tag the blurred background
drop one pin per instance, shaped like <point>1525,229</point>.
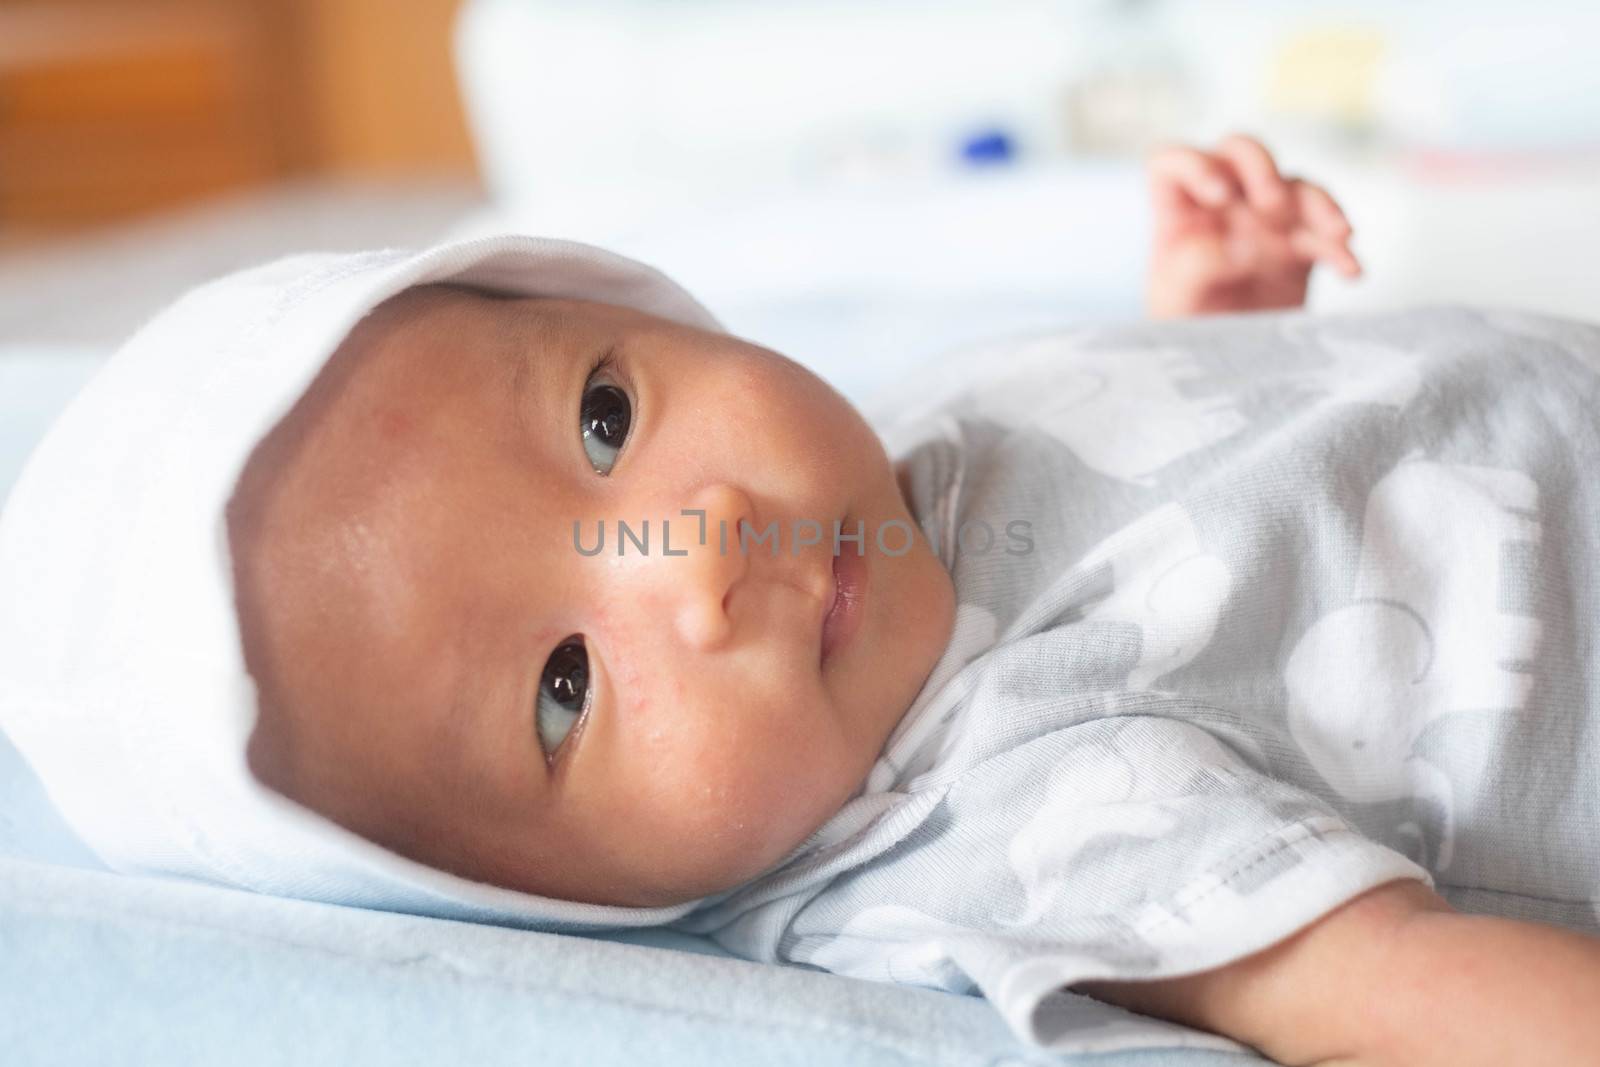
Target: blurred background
<point>857,183</point>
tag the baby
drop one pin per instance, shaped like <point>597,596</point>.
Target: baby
<point>1215,668</point>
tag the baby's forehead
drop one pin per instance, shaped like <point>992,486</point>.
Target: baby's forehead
<point>385,425</point>
<point>443,325</point>
<point>437,341</point>
<point>428,311</point>
<point>354,415</point>
<point>343,496</point>
<point>406,425</point>
<point>349,516</point>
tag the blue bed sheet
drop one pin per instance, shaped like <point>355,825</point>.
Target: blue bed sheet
<point>101,968</point>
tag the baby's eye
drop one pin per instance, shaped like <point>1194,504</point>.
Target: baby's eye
<point>604,416</point>
<point>563,693</point>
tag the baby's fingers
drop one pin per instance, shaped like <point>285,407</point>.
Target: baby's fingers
<point>1325,232</point>
<point>1319,210</point>
<point>1264,187</point>
<point>1181,170</point>
<point>1312,246</point>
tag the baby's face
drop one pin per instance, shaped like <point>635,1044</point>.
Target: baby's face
<point>442,670</point>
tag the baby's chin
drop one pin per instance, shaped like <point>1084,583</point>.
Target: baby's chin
<point>744,859</point>
<point>642,893</point>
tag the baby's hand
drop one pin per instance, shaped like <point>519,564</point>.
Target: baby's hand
<point>1231,234</point>
<point>1396,976</point>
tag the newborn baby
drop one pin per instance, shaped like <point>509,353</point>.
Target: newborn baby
<point>431,559</point>
<point>1207,667</point>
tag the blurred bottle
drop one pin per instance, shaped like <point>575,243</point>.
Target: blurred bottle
<point>1131,88</point>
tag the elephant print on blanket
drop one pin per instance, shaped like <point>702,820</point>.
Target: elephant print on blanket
<point>1309,607</point>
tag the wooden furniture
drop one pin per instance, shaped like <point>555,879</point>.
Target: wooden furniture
<point>109,109</point>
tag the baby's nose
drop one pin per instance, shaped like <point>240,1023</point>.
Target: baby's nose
<point>710,566</point>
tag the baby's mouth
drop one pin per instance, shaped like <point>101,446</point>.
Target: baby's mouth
<point>849,588</point>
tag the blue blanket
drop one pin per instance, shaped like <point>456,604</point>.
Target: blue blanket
<point>99,968</point>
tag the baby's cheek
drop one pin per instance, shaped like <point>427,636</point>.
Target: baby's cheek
<point>725,767</point>
<point>789,776</point>
<point>730,795</point>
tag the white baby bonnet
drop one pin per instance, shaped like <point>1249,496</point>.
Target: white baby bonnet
<point>122,676</point>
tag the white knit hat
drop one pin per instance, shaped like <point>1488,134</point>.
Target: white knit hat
<point>122,674</point>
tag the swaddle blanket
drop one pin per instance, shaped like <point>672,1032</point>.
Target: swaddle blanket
<point>1304,607</point>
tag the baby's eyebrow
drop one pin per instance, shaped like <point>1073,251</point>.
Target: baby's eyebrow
<point>535,383</point>
<point>529,383</point>
<point>469,758</point>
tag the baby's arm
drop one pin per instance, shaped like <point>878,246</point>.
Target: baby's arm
<point>1396,977</point>
<point>1232,234</point>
